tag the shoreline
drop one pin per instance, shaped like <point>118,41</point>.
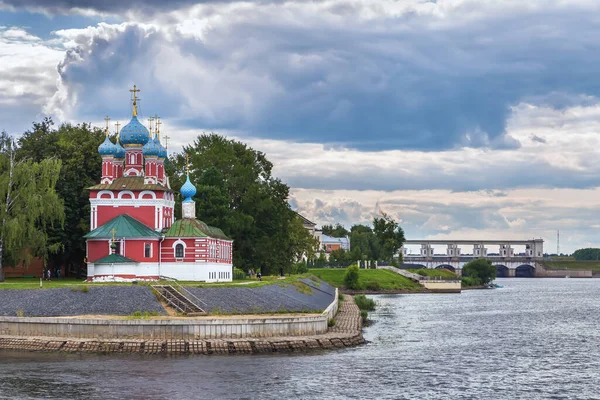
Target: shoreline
<point>347,332</point>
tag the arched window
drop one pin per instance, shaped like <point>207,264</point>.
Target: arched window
<point>179,251</point>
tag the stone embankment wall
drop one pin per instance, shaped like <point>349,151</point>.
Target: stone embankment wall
<point>346,332</point>
<point>561,273</point>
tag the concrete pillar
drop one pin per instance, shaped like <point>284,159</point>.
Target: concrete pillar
<point>479,250</point>
<point>453,250</point>
<point>506,250</point>
<point>511,272</point>
<point>426,250</point>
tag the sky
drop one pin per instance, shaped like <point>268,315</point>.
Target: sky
<point>461,119</point>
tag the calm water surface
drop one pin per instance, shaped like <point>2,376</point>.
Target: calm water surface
<point>534,339</point>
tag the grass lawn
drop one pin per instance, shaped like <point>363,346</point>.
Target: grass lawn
<point>34,283</point>
<point>572,264</point>
<point>386,279</point>
<point>434,273</point>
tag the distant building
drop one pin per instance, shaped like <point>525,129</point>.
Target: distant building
<point>329,243</point>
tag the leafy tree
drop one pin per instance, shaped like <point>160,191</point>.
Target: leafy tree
<point>237,193</point>
<point>480,270</point>
<point>351,277</point>
<point>587,254</point>
<point>340,257</point>
<point>28,204</point>
<point>303,245</point>
<point>76,146</point>
<point>389,235</point>
<point>337,231</point>
<point>364,245</point>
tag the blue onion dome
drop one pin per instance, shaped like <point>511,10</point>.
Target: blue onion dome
<point>134,133</point>
<point>119,150</point>
<point>188,190</point>
<point>150,148</point>
<point>162,151</point>
<point>107,148</point>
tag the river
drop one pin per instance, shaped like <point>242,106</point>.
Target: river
<point>532,339</point>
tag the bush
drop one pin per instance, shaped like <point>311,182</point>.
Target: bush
<point>421,272</point>
<point>238,274</point>
<point>480,269</point>
<point>364,303</point>
<point>470,281</point>
<point>85,289</point>
<point>351,277</point>
<point>364,314</point>
<point>340,297</point>
<point>330,323</point>
<point>373,285</point>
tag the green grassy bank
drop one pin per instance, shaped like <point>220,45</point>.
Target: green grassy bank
<point>369,279</point>
<point>571,264</point>
<point>433,273</point>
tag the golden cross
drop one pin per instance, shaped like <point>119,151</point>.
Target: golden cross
<point>113,231</point>
<point>187,164</point>
<point>107,119</point>
<point>150,122</point>
<point>134,91</point>
<point>167,137</point>
<point>158,124</point>
<point>117,124</point>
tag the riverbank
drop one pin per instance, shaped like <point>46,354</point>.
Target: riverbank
<point>346,332</point>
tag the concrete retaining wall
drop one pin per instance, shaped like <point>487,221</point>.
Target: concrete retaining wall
<point>561,273</point>
<point>442,286</point>
<point>170,329</point>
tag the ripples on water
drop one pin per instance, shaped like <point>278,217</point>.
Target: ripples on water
<point>534,339</point>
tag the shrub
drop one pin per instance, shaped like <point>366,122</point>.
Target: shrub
<point>340,297</point>
<point>470,281</point>
<point>480,269</point>
<point>364,314</point>
<point>85,289</point>
<point>351,277</point>
<point>20,312</point>
<point>373,285</point>
<point>421,272</point>
<point>238,274</point>
<point>364,303</point>
<point>330,323</point>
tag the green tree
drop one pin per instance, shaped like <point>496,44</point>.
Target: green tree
<point>28,204</point>
<point>340,257</point>
<point>237,193</point>
<point>389,235</point>
<point>351,277</point>
<point>481,270</point>
<point>364,245</point>
<point>337,231</point>
<point>303,245</point>
<point>76,146</point>
<point>587,254</point>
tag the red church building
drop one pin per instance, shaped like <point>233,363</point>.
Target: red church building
<point>133,232</point>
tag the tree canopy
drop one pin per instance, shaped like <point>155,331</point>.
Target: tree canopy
<point>337,231</point>
<point>481,270</point>
<point>76,146</point>
<point>237,192</point>
<point>29,204</point>
<point>587,254</point>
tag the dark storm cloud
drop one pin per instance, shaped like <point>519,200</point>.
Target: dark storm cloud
<point>396,83</point>
<point>109,6</point>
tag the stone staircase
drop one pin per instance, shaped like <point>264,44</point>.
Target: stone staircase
<point>409,275</point>
<point>180,299</point>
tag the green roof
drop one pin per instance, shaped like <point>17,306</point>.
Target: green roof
<point>124,226</point>
<point>188,227</point>
<point>114,259</point>
<point>129,183</point>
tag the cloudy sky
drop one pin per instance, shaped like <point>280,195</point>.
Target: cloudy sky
<point>460,118</point>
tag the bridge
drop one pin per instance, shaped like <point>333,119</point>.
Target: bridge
<point>506,261</point>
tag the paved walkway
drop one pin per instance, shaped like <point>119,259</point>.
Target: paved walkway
<point>347,332</point>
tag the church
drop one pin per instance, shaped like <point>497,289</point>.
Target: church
<point>133,231</point>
